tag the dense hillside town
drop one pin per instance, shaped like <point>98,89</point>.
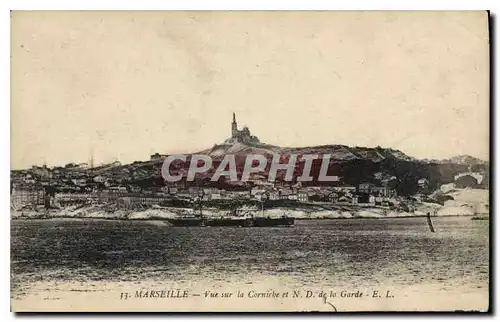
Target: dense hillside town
<point>386,180</point>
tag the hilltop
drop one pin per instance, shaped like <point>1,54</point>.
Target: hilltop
<point>337,152</point>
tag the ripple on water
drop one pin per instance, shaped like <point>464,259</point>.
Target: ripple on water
<point>399,252</point>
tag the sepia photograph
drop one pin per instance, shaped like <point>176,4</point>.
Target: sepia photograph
<point>250,161</point>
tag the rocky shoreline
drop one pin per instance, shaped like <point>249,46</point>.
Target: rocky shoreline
<point>299,213</point>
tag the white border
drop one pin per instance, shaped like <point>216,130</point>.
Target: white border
<point>184,5</point>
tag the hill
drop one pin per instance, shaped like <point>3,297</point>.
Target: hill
<point>351,165</point>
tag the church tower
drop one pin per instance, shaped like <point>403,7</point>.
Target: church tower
<point>234,127</point>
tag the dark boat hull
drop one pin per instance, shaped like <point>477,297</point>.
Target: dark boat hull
<point>228,222</point>
<point>273,222</point>
<point>186,222</point>
<point>233,222</point>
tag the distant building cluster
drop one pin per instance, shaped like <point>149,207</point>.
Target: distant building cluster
<point>74,185</point>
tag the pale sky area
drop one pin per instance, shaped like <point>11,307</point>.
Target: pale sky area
<point>126,85</point>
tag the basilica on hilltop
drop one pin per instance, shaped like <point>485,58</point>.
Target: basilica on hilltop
<point>241,136</point>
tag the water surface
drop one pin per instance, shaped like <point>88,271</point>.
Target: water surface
<point>350,253</point>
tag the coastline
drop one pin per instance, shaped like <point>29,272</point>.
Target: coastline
<point>465,202</point>
<point>165,219</point>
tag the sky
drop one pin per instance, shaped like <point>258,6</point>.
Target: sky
<point>124,85</point>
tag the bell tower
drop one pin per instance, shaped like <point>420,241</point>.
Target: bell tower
<point>234,127</point>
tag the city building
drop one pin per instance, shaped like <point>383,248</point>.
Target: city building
<point>132,201</point>
<point>370,188</point>
<point>68,199</point>
<point>26,196</point>
<point>422,182</point>
<point>302,197</point>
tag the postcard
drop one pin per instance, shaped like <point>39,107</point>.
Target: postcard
<point>250,161</point>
